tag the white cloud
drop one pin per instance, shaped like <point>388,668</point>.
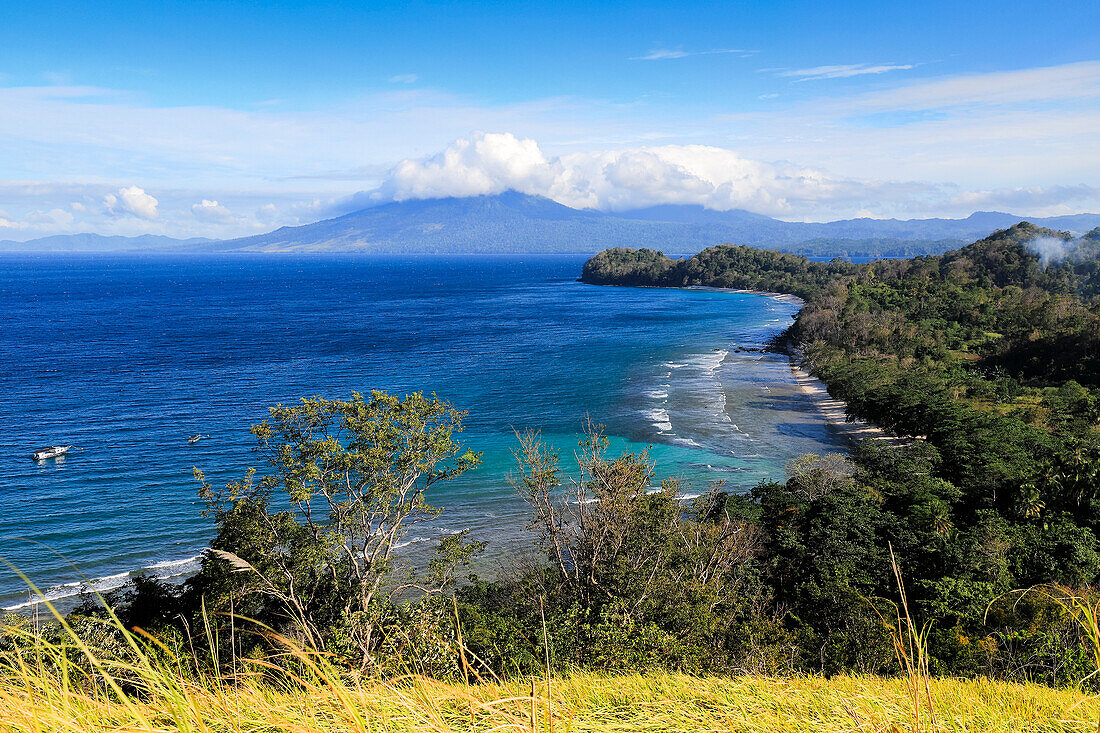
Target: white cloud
<point>1066,83</point>
<point>664,54</point>
<point>1036,200</point>
<point>715,177</point>
<point>1017,140</point>
<point>35,222</point>
<point>484,163</point>
<point>842,71</point>
<point>208,210</point>
<point>54,218</point>
<point>660,54</point>
<point>131,200</point>
<point>404,79</point>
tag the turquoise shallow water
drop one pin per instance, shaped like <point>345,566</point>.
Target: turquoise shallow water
<point>125,356</point>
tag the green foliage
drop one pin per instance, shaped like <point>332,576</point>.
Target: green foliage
<point>724,266</point>
<point>986,359</point>
<point>354,476</point>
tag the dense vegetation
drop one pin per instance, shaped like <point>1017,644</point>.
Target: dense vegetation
<point>985,359</point>
<point>740,267</point>
<point>989,358</point>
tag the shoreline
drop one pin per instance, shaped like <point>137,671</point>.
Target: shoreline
<point>835,412</point>
<point>781,297</point>
<point>832,414</point>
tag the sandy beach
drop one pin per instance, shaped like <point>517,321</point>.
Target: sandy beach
<point>781,297</point>
<point>834,412</point>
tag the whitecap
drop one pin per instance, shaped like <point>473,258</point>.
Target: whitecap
<point>75,588</point>
<point>660,419</point>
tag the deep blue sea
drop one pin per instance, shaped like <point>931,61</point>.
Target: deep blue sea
<point>125,356</point>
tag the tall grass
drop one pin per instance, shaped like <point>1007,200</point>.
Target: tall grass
<point>64,686</point>
<point>911,648</point>
<point>1084,611</point>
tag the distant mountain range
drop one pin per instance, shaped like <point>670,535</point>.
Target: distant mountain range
<point>100,243</point>
<point>518,223</point>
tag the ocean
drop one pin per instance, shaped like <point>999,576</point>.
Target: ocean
<point>125,356</point>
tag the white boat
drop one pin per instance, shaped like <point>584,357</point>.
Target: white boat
<point>52,452</point>
<point>195,439</point>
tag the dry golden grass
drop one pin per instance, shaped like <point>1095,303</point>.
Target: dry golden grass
<point>581,702</point>
<point>65,687</point>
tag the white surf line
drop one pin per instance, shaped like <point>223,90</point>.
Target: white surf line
<point>833,412</point>
<point>164,570</point>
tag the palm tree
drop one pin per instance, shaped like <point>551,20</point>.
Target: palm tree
<point>1028,502</point>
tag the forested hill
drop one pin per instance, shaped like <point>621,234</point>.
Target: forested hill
<point>724,266</point>
<point>989,357</point>
<point>1003,258</point>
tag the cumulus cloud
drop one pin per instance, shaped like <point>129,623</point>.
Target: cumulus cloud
<point>481,164</point>
<point>212,211</point>
<point>842,71</point>
<point>52,221</point>
<point>1047,200</point>
<point>58,218</point>
<point>617,180</point>
<point>131,200</point>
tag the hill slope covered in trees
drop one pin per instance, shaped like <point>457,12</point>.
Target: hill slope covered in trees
<point>989,354</point>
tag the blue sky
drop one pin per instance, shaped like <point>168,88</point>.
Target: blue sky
<point>229,118</point>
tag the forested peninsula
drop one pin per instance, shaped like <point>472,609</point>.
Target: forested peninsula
<point>988,357</point>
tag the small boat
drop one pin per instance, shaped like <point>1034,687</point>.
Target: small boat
<point>191,440</point>
<point>53,451</point>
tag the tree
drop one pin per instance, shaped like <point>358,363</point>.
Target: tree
<point>634,574</point>
<point>354,477</point>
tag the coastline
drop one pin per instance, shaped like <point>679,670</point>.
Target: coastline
<point>66,594</point>
<point>781,297</point>
<point>833,412</point>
